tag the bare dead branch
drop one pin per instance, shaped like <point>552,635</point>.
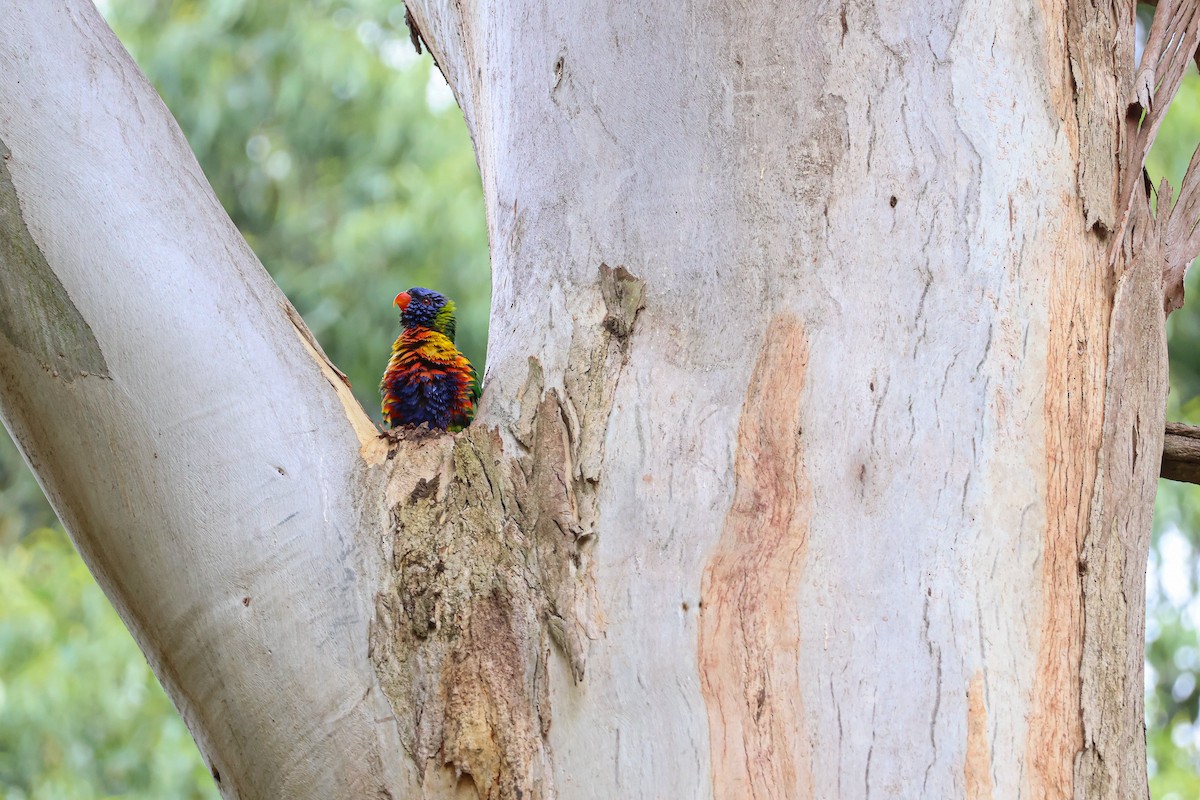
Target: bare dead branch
<point>1181,453</point>
<point>1182,242</point>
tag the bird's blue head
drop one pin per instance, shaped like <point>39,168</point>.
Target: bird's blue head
<point>422,308</point>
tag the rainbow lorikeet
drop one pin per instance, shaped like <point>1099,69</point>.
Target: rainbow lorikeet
<point>427,379</point>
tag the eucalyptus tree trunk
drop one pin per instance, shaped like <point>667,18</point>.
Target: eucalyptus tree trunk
<point>819,436</point>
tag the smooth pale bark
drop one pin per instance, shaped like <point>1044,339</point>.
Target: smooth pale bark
<point>818,444</point>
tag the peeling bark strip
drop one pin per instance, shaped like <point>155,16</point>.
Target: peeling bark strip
<point>1170,45</point>
<point>1096,66</point>
<point>977,771</point>
<point>563,433</point>
<point>1112,562</point>
<point>1148,258</point>
<point>1171,233</point>
<point>749,644</point>
<point>1104,402</point>
<point>1079,361</point>
<point>36,314</point>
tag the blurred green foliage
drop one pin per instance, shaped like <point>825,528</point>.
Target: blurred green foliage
<point>81,715</point>
<point>343,159</point>
<point>345,163</point>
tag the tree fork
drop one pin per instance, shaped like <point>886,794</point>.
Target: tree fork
<point>947,599</point>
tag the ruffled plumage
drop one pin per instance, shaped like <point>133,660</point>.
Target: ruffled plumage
<point>427,379</point>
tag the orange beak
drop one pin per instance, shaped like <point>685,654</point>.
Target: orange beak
<point>402,300</point>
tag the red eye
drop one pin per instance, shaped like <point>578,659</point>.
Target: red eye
<point>425,301</point>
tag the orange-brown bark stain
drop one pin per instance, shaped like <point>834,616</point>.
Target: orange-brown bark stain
<point>1073,411</point>
<point>977,771</point>
<point>1079,303</point>
<point>749,646</point>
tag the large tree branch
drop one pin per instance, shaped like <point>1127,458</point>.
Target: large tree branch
<point>207,461</point>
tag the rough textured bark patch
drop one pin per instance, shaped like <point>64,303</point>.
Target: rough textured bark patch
<point>1076,362</point>
<point>562,431</point>
<point>1113,558</point>
<point>749,623</point>
<point>1169,234</point>
<point>1148,260</point>
<point>1105,399</point>
<point>489,555</point>
<point>458,640</point>
<point>1096,69</point>
<point>1077,378</point>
